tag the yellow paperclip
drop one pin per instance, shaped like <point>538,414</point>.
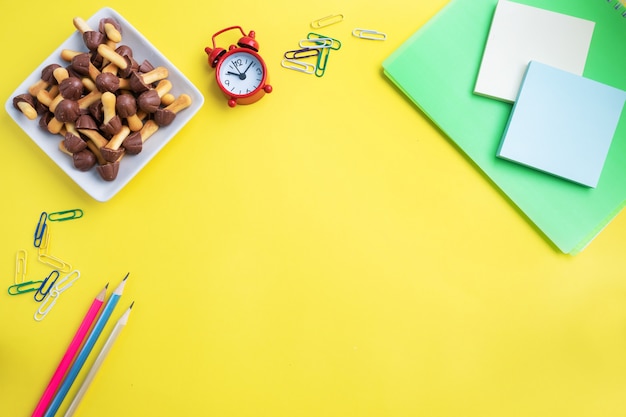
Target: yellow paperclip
<point>20,266</point>
<point>45,242</point>
<point>51,298</point>
<point>369,34</point>
<point>327,21</point>
<point>54,262</point>
<point>298,65</point>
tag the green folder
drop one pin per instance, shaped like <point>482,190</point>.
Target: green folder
<point>437,67</point>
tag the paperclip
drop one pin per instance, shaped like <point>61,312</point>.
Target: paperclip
<point>20,266</point>
<point>61,216</point>
<point>322,60</point>
<point>301,53</point>
<point>327,21</point>
<point>296,65</point>
<point>45,242</point>
<point>63,285</point>
<point>47,280</point>
<point>24,287</point>
<point>369,34</point>
<point>41,229</point>
<point>45,307</point>
<point>336,42</point>
<point>317,43</point>
<point>54,262</point>
<point>53,295</point>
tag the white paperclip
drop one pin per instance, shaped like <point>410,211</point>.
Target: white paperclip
<point>61,284</point>
<point>369,34</point>
<point>316,43</point>
<point>298,65</point>
<point>51,298</point>
<point>327,21</point>
<point>45,307</point>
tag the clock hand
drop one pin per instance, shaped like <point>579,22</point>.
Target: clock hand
<point>236,67</point>
<point>241,75</point>
<point>249,65</point>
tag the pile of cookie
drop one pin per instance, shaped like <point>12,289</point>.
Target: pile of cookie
<point>104,103</point>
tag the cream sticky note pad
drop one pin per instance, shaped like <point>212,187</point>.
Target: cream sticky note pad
<point>521,33</point>
<point>562,124</point>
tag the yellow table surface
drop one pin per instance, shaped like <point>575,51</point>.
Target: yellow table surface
<point>323,252</point>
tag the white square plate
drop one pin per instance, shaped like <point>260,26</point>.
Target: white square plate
<point>130,165</point>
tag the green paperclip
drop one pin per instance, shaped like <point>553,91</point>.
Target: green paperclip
<point>320,68</point>
<point>61,216</point>
<point>24,287</point>
<point>322,58</point>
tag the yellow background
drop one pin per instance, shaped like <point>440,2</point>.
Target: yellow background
<point>323,252</point>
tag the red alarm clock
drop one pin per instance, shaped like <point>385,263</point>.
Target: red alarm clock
<point>240,72</point>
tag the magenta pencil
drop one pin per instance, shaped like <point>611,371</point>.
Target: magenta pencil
<point>70,353</point>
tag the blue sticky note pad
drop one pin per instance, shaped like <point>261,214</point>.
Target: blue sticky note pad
<point>562,124</point>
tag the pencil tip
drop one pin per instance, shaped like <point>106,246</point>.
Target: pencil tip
<point>131,305</point>
<point>106,286</point>
<point>126,276</point>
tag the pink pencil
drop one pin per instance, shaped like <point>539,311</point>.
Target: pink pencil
<point>65,363</point>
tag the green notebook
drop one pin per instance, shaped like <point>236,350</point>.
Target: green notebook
<point>437,67</point>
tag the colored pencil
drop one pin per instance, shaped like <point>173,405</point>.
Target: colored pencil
<point>86,349</point>
<point>70,353</point>
<point>121,323</point>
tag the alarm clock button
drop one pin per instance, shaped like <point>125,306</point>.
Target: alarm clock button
<point>249,42</point>
<point>214,55</point>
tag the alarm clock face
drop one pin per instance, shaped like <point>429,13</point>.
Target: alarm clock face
<point>241,73</point>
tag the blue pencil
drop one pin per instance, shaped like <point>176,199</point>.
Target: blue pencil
<point>86,349</point>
